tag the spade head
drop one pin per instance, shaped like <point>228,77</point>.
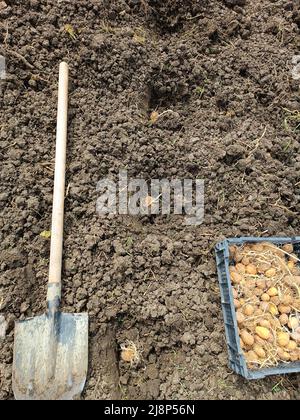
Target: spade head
<point>50,357</point>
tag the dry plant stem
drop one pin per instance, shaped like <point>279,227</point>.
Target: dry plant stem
<point>20,57</point>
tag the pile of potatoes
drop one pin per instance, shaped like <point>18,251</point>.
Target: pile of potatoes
<point>266,290</point>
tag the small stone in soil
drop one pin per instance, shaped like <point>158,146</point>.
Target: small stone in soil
<point>32,83</point>
<point>24,307</point>
<point>3,196</point>
<point>188,338</point>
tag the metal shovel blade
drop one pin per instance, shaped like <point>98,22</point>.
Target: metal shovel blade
<point>50,357</point>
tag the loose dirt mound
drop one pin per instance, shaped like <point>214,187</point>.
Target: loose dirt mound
<point>224,70</point>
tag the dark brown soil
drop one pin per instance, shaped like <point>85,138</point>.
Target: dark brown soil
<point>224,68</point>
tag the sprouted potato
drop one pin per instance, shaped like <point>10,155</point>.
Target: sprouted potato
<point>266,289</point>
<point>130,353</point>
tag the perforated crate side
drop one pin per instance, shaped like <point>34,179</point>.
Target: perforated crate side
<point>231,328</point>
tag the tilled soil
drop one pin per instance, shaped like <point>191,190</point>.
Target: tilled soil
<point>224,69</point>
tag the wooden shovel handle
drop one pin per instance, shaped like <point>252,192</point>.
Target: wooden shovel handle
<point>59,179</point>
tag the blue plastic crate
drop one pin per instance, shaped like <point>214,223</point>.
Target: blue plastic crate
<point>237,361</point>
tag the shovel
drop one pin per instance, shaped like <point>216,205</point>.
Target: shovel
<point>51,350</point>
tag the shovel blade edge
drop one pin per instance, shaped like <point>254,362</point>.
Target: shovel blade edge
<point>50,357</point>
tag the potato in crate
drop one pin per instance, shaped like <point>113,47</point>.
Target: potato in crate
<point>260,291</point>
